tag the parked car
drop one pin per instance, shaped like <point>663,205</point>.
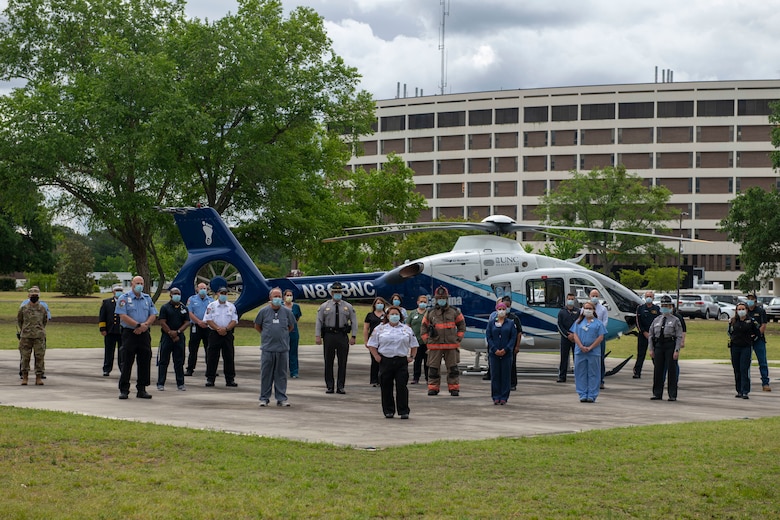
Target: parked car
<point>698,306</point>
<point>772,309</point>
<point>727,311</point>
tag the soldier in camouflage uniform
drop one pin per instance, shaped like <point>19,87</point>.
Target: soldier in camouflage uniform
<point>31,320</point>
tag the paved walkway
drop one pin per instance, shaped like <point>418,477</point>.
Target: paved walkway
<point>540,406</point>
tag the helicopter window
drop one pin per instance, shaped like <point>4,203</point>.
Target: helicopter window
<point>581,287</point>
<point>547,292</point>
<point>623,302</point>
<point>502,289</point>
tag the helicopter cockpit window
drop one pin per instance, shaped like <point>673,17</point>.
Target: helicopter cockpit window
<point>502,289</point>
<point>545,292</point>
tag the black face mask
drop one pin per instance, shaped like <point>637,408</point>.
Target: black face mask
<point>34,298</point>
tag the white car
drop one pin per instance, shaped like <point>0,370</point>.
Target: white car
<point>727,311</point>
<point>698,306</point>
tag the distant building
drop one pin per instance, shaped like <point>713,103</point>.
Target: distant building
<point>496,152</point>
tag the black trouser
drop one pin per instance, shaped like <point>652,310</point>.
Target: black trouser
<point>641,353</point>
<point>167,348</point>
<point>110,343</point>
<point>224,345</point>
<point>394,371</point>
<point>135,346</point>
<point>421,362</point>
<point>513,371</point>
<point>335,344</point>
<point>741,359</point>
<point>200,334</point>
<point>663,361</point>
<point>567,347</point>
<point>373,372</point>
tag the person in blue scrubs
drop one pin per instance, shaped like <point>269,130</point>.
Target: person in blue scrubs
<point>589,333</point>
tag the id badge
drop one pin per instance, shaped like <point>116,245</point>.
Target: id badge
<point>276,321</point>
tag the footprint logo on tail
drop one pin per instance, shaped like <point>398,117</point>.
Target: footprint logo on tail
<point>208,229</point>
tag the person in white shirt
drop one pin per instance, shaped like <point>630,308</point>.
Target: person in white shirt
<point>222,318</point>
<point>393,345</point>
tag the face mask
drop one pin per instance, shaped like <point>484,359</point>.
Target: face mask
<point>138,289</point>
<point>501,313</point>
<point>396,302</point>
<point>337,296</point>
<point>441,302</point>
<point>288,299</point>
<point>422,305</point>
<point>380,306</point>
<point>648,300</point>
<point>117,294</point>
<point>176,298</point>
<point>666,310</point>
<point>202,293</point>
<point>751,303</point>
<point>570,303</point>
<point>742,313</point>
<point>276,302</point>
<point>223,298</point>
<point>34,298</point>
<point>595,299</point>
<point>588,313</point>
<point>394,318</point>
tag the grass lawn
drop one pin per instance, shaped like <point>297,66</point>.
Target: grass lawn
<point>56,465</point>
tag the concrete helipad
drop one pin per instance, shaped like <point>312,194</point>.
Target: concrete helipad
<point>540,406</point>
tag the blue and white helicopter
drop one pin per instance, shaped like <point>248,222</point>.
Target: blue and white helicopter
<point>479,270</point>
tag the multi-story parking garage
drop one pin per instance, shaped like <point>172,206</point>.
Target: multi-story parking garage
<point>496,152</point>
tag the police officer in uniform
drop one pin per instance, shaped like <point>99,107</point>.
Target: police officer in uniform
<point>335,329</point>
<point>31,320</point>
<point>645,314</point>
<point>759,346</point>
<point>664,345</point>
<point>174,320</point>
<point>137,312</point>
<point>111,330</point>
<point>199,332</point>
<point>222,318</point>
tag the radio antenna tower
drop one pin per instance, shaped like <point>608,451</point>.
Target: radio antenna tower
<point>445,11</point>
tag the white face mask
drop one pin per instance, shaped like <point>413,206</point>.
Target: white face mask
<point>588,313</point>
<point>501,313</point>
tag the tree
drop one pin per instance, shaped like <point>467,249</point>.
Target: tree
<point>611,199</point>
<point>27,241</point>
<point>74,269</point>
<point>753,221</point>
<point>128,105</point>
<point>632,279</point>
<point>664,278</point>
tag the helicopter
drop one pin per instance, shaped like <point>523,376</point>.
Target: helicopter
<point>477,271</point>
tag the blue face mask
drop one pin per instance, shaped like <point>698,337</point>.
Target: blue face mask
<point>138,289</point>
<point>648,299</point>
<point>223,298</point>
<point>176,298</point>
<point>751,303</point>
<point>202,293</point>
<point>594,300</point>
<point>742,313</point>
<point>380,306</point>
<point>441,302</point>
<point>394,318</point>
<point>276,302</point>
<point>117,294</point>
<point>666,310</point>
<point>337,296</point>
<point>570,303</point>
<point>422,305</point>
<point>396,302</point>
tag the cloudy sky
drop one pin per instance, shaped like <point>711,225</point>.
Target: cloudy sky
<point>506,44</point>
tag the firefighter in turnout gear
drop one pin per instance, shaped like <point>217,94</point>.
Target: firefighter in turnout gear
<point>443,329</point>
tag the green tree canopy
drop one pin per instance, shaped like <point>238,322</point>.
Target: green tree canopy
<point>611,199</point>
<point>74,269</point>
<point>774,119</point>
<point>128,105</point>
<point>753,222</point>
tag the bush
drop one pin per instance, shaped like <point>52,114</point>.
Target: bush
<point>75,265</point>
<point>44,282</point>
<point>7,283</point>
